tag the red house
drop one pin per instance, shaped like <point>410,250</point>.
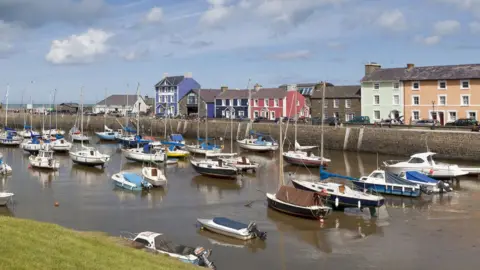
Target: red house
<point>275,103</point>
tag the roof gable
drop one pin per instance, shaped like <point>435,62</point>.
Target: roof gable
<point>207,95</point>
<point>120,100</point>
<point>451,72</point>
<point>269,93</point>
<point>170,81</point>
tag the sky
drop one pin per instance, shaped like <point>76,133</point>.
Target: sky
<point>114,46</point>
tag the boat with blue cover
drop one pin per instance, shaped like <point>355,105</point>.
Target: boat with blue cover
<point>27,132</point>
<point>107,134</point>
<point>204,146</point>
<point>427,184</point>
<point>131,140</point>
<point>131,181</point>
<point>388,183</point>
<point>176,138</point>
<point>175,150</point>
<point>10,137</point>
<point>340,196</point>
<point>35,144</point>
<point>232,228</point>
<point>259,142</point>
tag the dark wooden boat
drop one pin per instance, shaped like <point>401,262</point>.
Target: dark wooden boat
<point>214,168</point>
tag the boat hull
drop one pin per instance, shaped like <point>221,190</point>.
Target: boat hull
<point>304,162</point>
<point>143,157</point>
<point>218,173</point>
<point>257,147</point>
<point>196,150</point>
<point>107,136</point>
<point>343,201</point>
<point>296,211</point>
<point>213,227</point>
<point>5,198</point>
<point>157,181</point>
<point>88,161</point>
<point>388,189</point>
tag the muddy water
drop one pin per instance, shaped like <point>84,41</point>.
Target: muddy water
<point>434,232</point>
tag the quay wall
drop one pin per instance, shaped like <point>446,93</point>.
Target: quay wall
<point>447,144</point>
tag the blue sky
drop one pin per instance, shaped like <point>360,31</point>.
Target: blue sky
<point>105,45</point>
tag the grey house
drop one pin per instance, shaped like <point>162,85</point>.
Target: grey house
<point>342,102</point>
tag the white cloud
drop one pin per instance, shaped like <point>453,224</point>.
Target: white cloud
<point>475,27</point>
<point>393,20</point>
<point>293,55</point>
<point>429,41</point>
<point>447,27</point>
<point>469,5</point>
<point>216,13</point>
<point>154,15</point>
<point>76,49</point>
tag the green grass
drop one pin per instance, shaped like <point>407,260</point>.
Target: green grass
<point>26,244</point>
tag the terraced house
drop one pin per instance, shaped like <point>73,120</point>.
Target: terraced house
<point>231,103</point>
<point>443,93</point>
<point>170,90</point>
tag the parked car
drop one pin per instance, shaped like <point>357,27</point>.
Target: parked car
<point>390,122</point>
<point>359,120</point>
<point>424,122</point>
<point>260,119</point>
<point>329,121</point>
<point>464,122</point>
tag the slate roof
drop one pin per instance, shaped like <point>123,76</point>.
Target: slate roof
<point>229,94</point>
<point>171,81</point>
<point>119,100</point>
<point>385,74</point>
<point>208,95</point>
<point>339,91</point>
<point>269,93</point>
<point>452,72</point>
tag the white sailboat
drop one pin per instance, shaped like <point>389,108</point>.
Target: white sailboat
<point>28,131</point>
<point>53,131</point>
<point>78,135</point>
<point>154,176</point>
<point>88,156</point>
<point>60,144</point>
<point>107,134</point>
<point>299,156</point>
<point>9,136</point>
<point>4,167</point>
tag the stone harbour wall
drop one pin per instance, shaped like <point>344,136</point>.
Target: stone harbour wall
<point>448,144</point>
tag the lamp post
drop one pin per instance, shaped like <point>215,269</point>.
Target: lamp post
<point>433,113</point>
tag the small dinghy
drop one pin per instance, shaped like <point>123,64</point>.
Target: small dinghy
<point>387,183</point>
<point>5,197</point>
<point>232,228</point>
<point>427,184</point>
<point>154,176</point>
<point>158,243</point>
<point>130,181</point>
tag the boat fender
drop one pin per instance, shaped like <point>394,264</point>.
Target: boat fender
<point>359,204</point>
<point>336,202</point>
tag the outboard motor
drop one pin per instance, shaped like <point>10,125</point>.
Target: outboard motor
<point>252,228</point>
<point>203,255</point>
<point>444,187</point>
<point>425,190</point>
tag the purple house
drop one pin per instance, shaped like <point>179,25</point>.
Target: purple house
<point>170,90</point>
<point>188,105</point>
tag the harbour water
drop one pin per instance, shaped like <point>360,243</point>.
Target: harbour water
<point>434,232</point>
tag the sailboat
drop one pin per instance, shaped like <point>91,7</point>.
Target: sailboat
<point>78,135</point>
<point>172,148</point>
<point>147,153</point>
<point>27,131</point>
<point>53,132</point>
<point>300,156</point>
<point>203,146</point>
<point>58,142</point>
<point>9,136</point>
<point>34,144</point>
<point>88,156</point>
<point>297,202</point>
<point>107,134</point>
<point>4,167</point>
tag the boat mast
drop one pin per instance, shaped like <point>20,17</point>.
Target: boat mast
<point>296,120</point>
<point>105,112</point>
<point>50,117</point>
<point>31,115</point>
<point>280,156</point>
<point>23,108</point>
<point>81,110</point>
<point>198,116</point>
<point>138,111</point>
<point>6,105</point>
<point>323,118</point>
<point>56,111</point>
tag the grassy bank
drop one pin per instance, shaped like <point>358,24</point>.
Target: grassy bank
<point>27,244</point>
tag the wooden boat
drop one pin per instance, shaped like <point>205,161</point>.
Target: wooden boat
<point>5,197</point>
<point>130,181</point>
<point>232,228</point>
<point>214,168</point>
<point>158,243</point>
<point>154,176</point>
<point>387,183</point>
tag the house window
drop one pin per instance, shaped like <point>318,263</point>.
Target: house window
<point>172,88</point>
<point>442,84</point>
<point>472,115</point>
<point>276,102</point>
<point>224,102</point>
<point>376,115</point>
<point>231,102</point>
<point>416,86</point>
<point>396,85</point>
<point>348,103</point>
<point>415,100</point>
<point>465,100</point>
<point>237,102</point>
<point>255,113</point>
<point>255,102</point>
<point>272,115</point>
<point>452,116</point>
<point>192,98</point>
<point>336,103</point>
<point>241,114</point>
<point>416,115</point>
<point>396,99</point>
<point>223,113</point>
<point>336,115</point>
<point>376,86</point>
<point>464,84</point>
<point>265,102</point>
<point>349,116</point>
<point>325,105</point>
<point>442,100</point>
<point>376,100</point>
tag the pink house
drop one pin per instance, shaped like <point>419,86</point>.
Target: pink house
<point>273,103</point>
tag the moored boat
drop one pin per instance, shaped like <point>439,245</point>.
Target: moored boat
<point>258,142</point>
<point>5,197</point>
<point>214,168</point>
<point>60,144</point>
<point>427,184</point>
<point>154,176</point>
<point>145,154</point>
<point>44,160</point>
<point>232,228</point>
<point>4,167</point>
<point>107,135</point>
<point>302,158</point>
<point>387,183</point>
<point>89,156</point>
<point>10,138</point>
<point>130,181</point>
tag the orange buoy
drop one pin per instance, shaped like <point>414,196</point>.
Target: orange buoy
<point>56,204</point>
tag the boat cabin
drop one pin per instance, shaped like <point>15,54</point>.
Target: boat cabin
<point>45,154</point>
<point>422,158</point>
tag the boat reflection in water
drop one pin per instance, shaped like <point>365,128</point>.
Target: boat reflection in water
<point>216,189</point>
<point>154,197</point>
<point>253,245</point>
<point>87,175</point>
<point>44,177</point>
<point>335,235</point>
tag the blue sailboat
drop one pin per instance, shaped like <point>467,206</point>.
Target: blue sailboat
<point>130,140</point>
<point>340,196</point>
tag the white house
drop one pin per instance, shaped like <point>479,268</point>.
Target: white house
<point>121,104</point>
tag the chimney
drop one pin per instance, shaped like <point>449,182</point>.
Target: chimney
<point>165,75</point>
<point>223,88</point>
<point>410,66</point>
<point>188,75</point>
<point>291,87</point>
<point>371,67</point>
<point>257,87</point>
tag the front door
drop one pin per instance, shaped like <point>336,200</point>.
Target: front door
<point>441,118</point>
